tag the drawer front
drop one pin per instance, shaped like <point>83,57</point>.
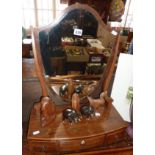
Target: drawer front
<point>43,146</point>
<point>114,137</point>
<point>81,144</point>
<point>77,145</point>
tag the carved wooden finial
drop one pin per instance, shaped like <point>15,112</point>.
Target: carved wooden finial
<point>76,101</point>
<point>70,88</point>
<point>47,111</point>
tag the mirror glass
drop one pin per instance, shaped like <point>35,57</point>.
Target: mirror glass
<point>72,45</point>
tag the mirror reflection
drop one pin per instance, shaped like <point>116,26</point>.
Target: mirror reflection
<point>73,45</point>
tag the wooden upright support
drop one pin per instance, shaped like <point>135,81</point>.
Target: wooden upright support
<point>47,107</point>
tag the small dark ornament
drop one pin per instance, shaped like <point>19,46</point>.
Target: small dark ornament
<point>63,90</point>
<point>87,111</point>
<point>71,115</point>
<point>79,88</point>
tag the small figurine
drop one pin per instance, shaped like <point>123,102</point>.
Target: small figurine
<point>68,89</point>
<point>79,88</point>
<point>47,111</point>
<point>71,115</point>
<point>87,111</point>
<point>63,90</point>
<point>97,102</point>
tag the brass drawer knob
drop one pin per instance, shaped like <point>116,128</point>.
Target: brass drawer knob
<point>83,142</point>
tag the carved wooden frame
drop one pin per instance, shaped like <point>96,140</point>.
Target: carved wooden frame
<point>103,84</point>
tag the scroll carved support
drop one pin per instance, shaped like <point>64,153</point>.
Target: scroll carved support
<point>47,107</point>
<point>47,111</point>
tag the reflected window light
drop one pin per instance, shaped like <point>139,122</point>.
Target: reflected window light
<point>41,12</point>
<point>27,41</point>
<point>114,32</point>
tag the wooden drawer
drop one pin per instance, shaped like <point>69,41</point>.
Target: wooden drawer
<point>114,137</point>
<point>77,145</point>
<point>81,144</point>
<point>43,146</point>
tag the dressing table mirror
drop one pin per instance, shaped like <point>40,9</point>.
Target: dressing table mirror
<point>75,113</point>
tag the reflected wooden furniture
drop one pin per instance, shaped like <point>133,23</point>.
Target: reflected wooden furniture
<point>89,136</point>
<point>28,68</point>
<point>26,48</point>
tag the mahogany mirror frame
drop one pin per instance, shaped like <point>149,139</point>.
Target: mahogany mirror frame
<point>104,82</point>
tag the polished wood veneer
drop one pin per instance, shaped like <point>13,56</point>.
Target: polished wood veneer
<point>65,137</point>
